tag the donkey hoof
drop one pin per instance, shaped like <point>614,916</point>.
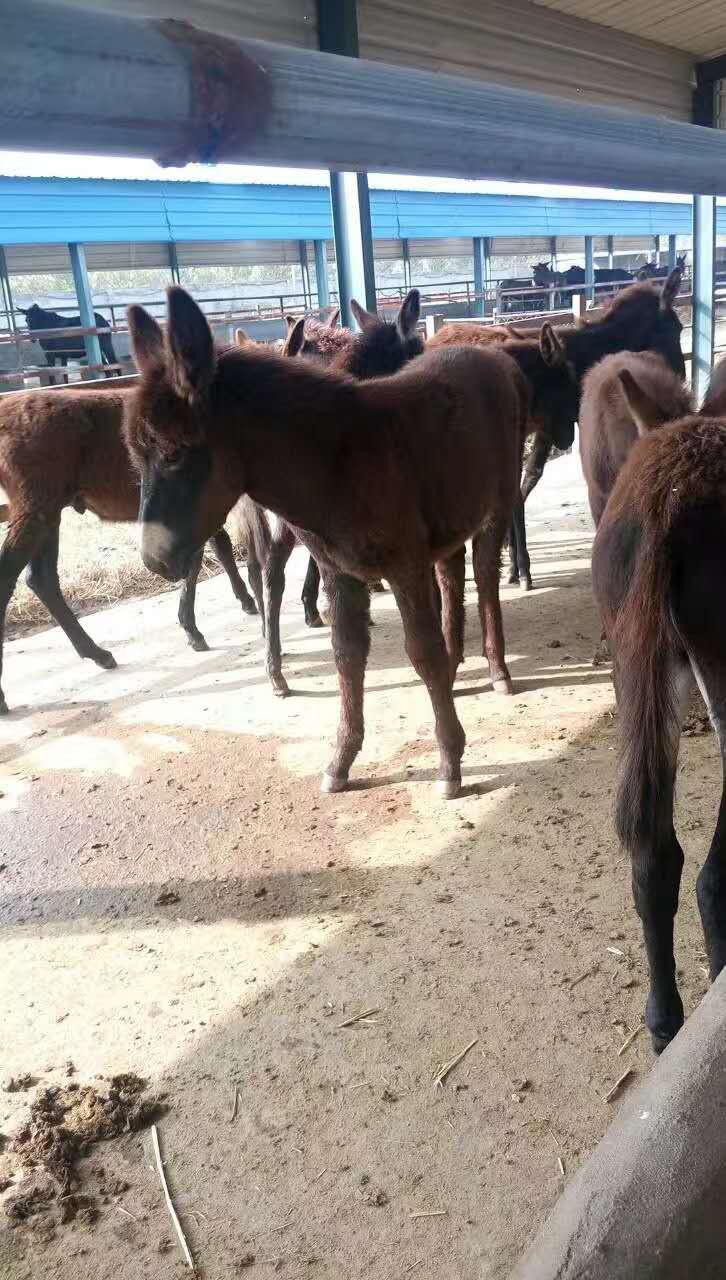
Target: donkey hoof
<point>525,584</point>
<point>449,788</point>
<point>280,687</point>
<point>330,784</point>
<point>249,607</point>
<point>513,580</point>
<point>197,642</point>
<point>503,685</point>
<point>4,708</point>
<point>314,621</point>
<point>377,586</point>
<point>105,659</point>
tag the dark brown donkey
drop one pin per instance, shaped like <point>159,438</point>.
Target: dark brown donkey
<point>381,348</point>
<point>660,582</point>
<point>640,318</point>
<point>65,448</point>
<point>379,479</point>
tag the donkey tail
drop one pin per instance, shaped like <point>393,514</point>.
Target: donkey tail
<point>251,529</point>
<point>644,640</point>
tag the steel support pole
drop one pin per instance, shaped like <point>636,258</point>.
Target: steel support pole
<point>6,293</point>
<point>482,270</point>
<point>589,270</point>
<point>321,273</point>
<point>611,252</point>
<point>704,252</point>
<point>406,255</point>
<point>174,262</point>
<point>85,301</point>
<point>353,242</point>
<point>672,255</point>
<point>305,273</point>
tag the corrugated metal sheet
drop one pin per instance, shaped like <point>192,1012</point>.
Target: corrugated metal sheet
<point>515,42</point>
<point>285,21</point>
<point>698,28</point>
<point>129,223</point>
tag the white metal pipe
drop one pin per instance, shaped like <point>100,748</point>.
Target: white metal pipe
<point>74,81</point>
<point>704,253</point>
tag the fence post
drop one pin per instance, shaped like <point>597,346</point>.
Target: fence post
<point>321,273</point>
<point>85,301</point>
<point>305,273</point>
<point>406,255</point>
<point>704,245</point>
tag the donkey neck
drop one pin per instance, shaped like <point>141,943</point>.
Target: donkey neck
<point>292,430</point>
<point>586,346</point>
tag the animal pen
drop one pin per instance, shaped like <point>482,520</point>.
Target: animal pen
<point>383,1031</point>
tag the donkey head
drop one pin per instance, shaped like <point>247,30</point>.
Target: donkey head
<point>542,274</point>
<point>383,347</point>
<point>555,398</point>
<point>187,486</point>
<point>665,399</point>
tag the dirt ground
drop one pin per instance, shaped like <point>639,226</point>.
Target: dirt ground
<point>177,899</point>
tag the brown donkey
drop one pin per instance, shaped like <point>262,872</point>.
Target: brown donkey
<point>381,348</point>
<point>624,396</point>
<point>378,479</point>
<point>65,448</point>
<point>660,583</point>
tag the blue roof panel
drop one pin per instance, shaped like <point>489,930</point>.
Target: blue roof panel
<point>60,210</point>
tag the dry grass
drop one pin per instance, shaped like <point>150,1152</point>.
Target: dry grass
<point>99,565</point>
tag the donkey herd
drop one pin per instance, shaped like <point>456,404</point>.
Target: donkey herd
<point>384,456</point>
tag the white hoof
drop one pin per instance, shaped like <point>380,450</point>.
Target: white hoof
<point>449,788</point>
<point>330,785</point>
<point>503,686</point>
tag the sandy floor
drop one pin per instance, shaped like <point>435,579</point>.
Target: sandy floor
<point>504,916</point>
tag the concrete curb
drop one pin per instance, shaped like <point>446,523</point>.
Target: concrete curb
<point>651,1200</point>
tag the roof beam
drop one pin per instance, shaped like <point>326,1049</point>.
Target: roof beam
<point>122,87</point>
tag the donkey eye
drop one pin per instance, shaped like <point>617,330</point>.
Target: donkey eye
<point>173,460</point>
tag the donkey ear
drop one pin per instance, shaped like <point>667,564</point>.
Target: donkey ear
<point>295,339</point>
<point>290,321</point>
<point>242,339</point>
<point>366,319</point>
<point>670,290</point>
<point>552,348</point>
<point>334,319</point>
<point>190,344</point>
<point>645,412</point>
<point>147,340</point>
<point>409,314</point>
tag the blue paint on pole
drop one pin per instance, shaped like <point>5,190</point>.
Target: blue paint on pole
<point>85,301</point>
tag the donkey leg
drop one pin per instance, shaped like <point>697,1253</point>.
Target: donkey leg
<point>486,552</point>
<point>274,579</point>
<point>513,578</point>
<point>520,532</point>
<point>711,883</point>
<point>311,587</point>
<point>224,551</point>
<point>23,540</point>
<point>187,598</point>
<point>450,576</point>
<point>657,863</point>
<point>427,653</point>
<point>349,610</point>
<point>42,578</point>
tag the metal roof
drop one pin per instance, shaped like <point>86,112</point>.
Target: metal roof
<point>698,28</point>
<point>62,210</point>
